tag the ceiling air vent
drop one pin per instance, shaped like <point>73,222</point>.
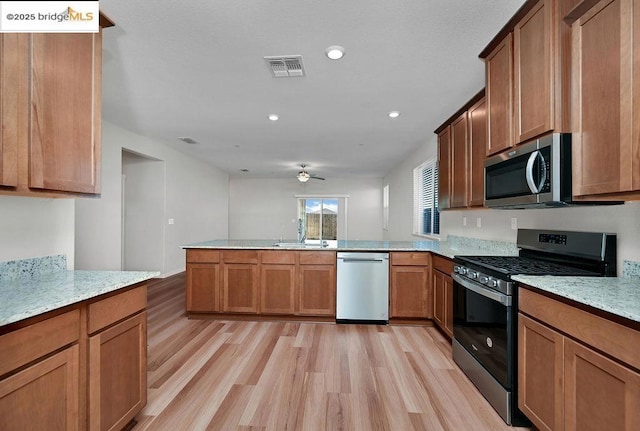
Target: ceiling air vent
<point>285,66</point>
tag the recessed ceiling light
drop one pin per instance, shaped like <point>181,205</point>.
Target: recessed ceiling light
<point>273,117</point>
<point>334,52</point>
<point>394,114</point>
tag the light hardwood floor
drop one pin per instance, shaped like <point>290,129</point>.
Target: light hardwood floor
<point>245,375</point>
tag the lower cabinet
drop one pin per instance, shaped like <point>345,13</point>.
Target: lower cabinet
<point>82,369</point>
<point>317,283</point>
<point>443,294</point>
<point>277,282</point>
<point>409,285</point>
<point>566,375</point>
<point>240,281</point>
<point>203,281</point>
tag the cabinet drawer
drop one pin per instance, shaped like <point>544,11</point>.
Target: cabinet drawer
<point>317,258</point>
<point>240,256</point>
<point>443,264</point>
<point>410,258</point>
<point>617,340</point>
<point>278,257</point>
<point>203,256</point>
<point>32,342</point>
<point>108,311</point>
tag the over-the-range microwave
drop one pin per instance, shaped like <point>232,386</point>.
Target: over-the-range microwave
<point>532,175</point>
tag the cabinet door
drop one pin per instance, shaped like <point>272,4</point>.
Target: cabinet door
<point>438,298</point>
<point>410,293</point>
<point>599,394</point>
<point>606,138</point>
<point>44,396</point>
<point>477,151</point>
<point>317,290</point>
<point>448,305</point>
<point>118,374</point>
<point>444,168</point>
<point>459,169</point>
<point>10,83</point>
<point>240,288</point>
<point>540,368</point>
<point>499,76</point>
<point>203,287</point>
<point>64,149</point>
<point>533,83</point>
<point>277,288</point>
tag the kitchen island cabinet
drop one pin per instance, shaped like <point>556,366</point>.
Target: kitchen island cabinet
<point>576,370</point>
<point>410,288</point>
<point>277,282</point>
<point>240,281</point>
<point>317,283</point>
<point>78,366</point>
<point>203,281</point>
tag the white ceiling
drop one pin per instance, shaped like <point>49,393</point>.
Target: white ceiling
<point>174,68</point>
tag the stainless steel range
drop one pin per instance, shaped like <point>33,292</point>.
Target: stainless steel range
<point>485,304</point>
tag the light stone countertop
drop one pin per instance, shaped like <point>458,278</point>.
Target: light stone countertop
<point>443,248</point>
<point>619,296</point>
<point>30,296</point>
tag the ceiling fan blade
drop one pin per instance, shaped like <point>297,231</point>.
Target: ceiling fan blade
<point>315,177</point>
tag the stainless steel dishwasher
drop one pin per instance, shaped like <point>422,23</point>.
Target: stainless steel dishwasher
<point>362,288</point>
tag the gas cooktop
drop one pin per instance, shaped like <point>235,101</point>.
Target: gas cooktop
<point>512,265</point>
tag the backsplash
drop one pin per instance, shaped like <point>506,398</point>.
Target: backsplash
<point>630,269</point>
<point>25,268</point>
<point>500,247</point>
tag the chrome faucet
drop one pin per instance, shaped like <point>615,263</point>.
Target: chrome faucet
<point>301,234</point>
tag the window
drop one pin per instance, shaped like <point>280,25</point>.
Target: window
<point>318,219</point>
<point>385,207</point>
<point>426,217</point>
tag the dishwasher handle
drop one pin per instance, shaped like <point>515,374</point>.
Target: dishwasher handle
<point>355,259</point>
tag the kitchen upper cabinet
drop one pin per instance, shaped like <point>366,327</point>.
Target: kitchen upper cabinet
<point>576,371</point>
<point>477,150</point>
<point>203,281</point>
<point>317,283</point>
<point>277,282</point>
<point>444,167</point>
<point>606,87</point>
<point>410,288</point>
<point>459,172</point>
<point>240,281</point>
<point>499,90</point>
<point>51,113</point>
<point>461,153</point>
<point>9,93</point>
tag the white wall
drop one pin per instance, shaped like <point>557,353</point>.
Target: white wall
<point>400,181</point>
<point>196,197</point>
<point>34,227</point>
<point>623,220</point>
<point>262,208</point>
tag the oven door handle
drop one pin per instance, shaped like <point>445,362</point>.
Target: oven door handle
<point>487,293</point>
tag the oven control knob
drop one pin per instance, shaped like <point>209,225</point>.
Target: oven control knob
<point>462,270</point>
<point>492,283</point>
<point>472,274</point>
<point>484,279</point>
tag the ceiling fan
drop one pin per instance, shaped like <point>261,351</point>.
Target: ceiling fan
<point>304,176</point>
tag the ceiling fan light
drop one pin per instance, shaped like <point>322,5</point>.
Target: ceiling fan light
<point>303,177</point>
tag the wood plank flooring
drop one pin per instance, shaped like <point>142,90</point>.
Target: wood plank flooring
<point>245,375</point>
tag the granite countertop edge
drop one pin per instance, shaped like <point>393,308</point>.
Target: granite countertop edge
<point>32,296</point>
<point>619,296</point>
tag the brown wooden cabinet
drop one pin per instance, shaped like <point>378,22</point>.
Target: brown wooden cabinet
<point>477,151</point>
<point>444,167</point>
<point>277,282</point>
<point>410,285</point>
<point>459,166</point>
<point>443,294</point>
<point>461,154</point>
<point>240,281</point>
<point>203,281</point>
<point>576,370</point>
<point>499,90</point>
<point>605,122</point>
<point>317,283</point>
<point>9,92</point>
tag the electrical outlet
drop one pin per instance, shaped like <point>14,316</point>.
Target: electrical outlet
<point>464,221</point>
<point>514,223</point>
<point>478,222</point>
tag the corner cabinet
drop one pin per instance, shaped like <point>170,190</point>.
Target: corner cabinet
<point>51,113</point>
<point>606,87</point>
<point>576,371</point>
<point>410,285</point>
<point>443,294</point>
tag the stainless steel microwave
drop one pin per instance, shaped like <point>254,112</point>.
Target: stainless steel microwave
<point>535,174</point>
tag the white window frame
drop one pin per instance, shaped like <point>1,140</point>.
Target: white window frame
<point>425,196</point>
<point>385,207</point>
